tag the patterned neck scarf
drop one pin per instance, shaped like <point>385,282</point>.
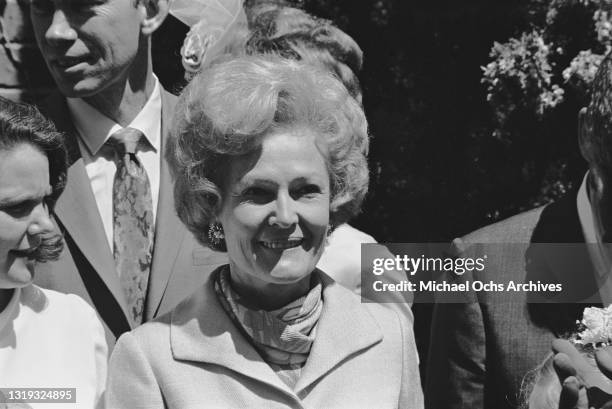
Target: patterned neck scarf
<point>283,336</point>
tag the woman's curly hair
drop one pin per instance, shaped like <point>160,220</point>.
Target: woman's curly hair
<point>293,33</point>
<point>228,109</point>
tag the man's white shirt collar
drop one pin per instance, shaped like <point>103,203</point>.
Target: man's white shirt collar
<point>586,215</point>
<point>95,128</point>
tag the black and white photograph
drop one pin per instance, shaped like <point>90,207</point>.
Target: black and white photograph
<point>305,204</point>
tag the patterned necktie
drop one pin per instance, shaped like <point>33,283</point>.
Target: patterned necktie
<point>133,227</point>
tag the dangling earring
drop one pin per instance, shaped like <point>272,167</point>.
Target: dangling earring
<point>216,236</point>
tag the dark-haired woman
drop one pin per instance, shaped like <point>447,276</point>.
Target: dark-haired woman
<point>47,339</point>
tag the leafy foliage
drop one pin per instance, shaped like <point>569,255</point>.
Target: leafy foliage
<point>472,105</point>
<point>523,73</point>
<point>537,80</point>
<point>521,66</point>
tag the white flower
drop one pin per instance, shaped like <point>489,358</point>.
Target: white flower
<point>597,323</point>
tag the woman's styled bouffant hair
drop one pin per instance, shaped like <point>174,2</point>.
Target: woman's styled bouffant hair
<point>295,34</point>
<point>228,109</point>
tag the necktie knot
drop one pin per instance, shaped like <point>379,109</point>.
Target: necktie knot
<point>125,140</point>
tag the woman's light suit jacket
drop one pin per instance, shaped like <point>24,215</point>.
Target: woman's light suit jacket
<point>195,357</point>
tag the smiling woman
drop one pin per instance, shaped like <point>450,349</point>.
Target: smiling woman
<point>268,156</point>
<point>276,216</point>
<point>73,354</point>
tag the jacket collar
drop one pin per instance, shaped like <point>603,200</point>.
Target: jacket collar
<point>95,128</point>
<point>559,222</point>
<point>169,230</point>
<point>566,258</point>
<point>201,331</point>
<point>76,207</point>
<point>567,261</point>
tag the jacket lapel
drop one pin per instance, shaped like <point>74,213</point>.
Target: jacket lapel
<point>559,223</point>
<point>169,230</point>
<point>570,263</point>
<point>345,328</point>
<point>201,331</point>
<point>564,260</point>
<point>77,210</point>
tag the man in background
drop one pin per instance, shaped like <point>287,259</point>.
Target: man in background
<point>481,351</point>
<point>127,253</point>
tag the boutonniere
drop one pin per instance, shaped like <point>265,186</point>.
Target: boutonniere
<point>595,328</point>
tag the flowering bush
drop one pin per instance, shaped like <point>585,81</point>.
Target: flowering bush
<point>582,69</point>
<point>536,82</point>
<point>522,64</point>
<point>524,73</point>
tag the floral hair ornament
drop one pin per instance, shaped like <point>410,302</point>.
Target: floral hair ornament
<point>215,26</point>
<point>596,327</point>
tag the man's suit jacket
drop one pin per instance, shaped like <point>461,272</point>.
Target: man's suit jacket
<point>363,356</point>
<point>481,351</point>
<point>86,267</point>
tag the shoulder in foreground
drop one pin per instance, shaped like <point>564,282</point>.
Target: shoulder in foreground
<point>382,313</point>
<point>39,298</point>
<point>154,329</point>
<point>347,233</point>
<point>188,309</point>
<point>384,316</point>
<point>67,314</point>
<point>515,229</point>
